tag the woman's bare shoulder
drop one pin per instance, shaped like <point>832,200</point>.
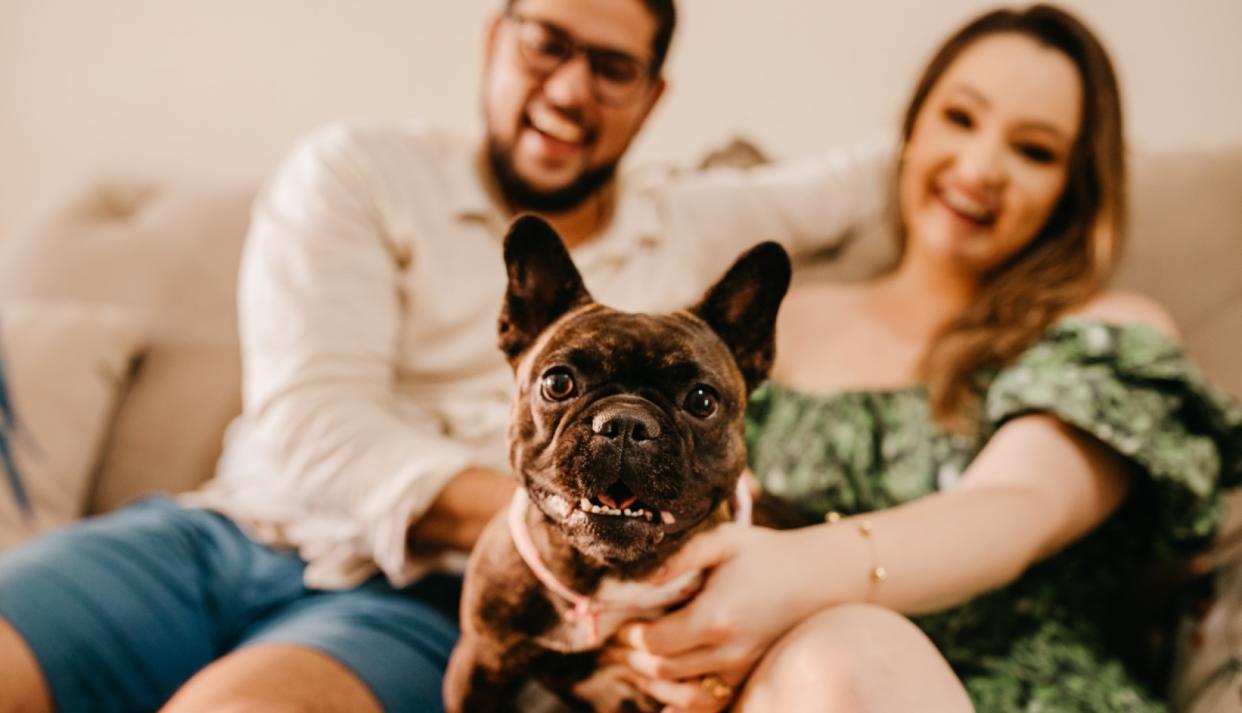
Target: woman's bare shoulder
<point>1125,307</point>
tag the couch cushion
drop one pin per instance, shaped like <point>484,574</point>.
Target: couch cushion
<point>1185,250</point>
<point>63,367</point>
<point>170,256</point>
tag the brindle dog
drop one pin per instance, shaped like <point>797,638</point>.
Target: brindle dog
<point>626,436</point>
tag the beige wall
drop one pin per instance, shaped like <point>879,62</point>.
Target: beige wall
<point>214,91</point>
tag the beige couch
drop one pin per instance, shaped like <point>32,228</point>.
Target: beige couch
<point>170,255</point>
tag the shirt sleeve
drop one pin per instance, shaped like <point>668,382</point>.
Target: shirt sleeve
<point>1137,392</point>
<point>320,317</point>
<point>808,205</point>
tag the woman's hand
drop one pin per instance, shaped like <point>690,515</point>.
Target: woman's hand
<point>757,588</point>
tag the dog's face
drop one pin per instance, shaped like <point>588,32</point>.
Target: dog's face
<point>627,428</point>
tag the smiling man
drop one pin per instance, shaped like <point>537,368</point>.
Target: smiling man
<point>559,119</point>
<point>317,570</point>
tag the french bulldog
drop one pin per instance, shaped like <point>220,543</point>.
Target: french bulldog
<point>626,436</point>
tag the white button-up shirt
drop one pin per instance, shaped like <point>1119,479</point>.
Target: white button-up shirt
<point>371,283</point>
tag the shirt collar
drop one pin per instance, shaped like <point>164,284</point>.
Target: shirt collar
<point>633,224</point>
<point>475,195</point>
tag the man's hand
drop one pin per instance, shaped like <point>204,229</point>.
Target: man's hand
<point>463,508</point>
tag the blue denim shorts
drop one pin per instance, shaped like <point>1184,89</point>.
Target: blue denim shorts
<point>123,609</point>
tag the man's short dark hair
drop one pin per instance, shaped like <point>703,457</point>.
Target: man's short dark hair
<point>666,20</point>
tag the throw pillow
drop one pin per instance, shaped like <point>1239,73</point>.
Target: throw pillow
<point>63,366</point>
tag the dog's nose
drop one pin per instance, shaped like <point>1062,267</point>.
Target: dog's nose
<point>625,423</point>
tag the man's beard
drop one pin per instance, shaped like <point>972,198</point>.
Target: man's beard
<point>522,196</point>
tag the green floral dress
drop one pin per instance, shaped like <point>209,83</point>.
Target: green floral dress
<point>1054,641</point>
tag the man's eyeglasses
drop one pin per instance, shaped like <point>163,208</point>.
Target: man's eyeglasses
<point>616,77</point>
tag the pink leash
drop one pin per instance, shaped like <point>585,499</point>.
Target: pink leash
<point>584,609</point>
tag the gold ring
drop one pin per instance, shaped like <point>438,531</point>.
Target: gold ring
<point>716,687</point>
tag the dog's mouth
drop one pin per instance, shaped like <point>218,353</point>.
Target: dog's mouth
<point>618,517</point>
<point>620,501</point>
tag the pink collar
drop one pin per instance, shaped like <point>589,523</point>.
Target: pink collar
<point>584,608</point>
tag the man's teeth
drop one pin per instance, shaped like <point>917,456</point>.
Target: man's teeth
<point>586,506</point>
<point>966,204</point>
<point>556,126</point>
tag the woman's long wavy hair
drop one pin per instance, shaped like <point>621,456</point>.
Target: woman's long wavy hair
<point>1076,250</point>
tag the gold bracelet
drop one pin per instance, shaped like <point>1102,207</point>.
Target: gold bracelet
<point>877,573</point>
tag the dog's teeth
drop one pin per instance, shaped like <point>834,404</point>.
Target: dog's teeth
<point>667,517</point>
<point>587,506</point>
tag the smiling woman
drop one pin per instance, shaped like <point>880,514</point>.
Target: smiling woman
<point>993,440</point>
<point>979,132</point>
<point>1019,176</point>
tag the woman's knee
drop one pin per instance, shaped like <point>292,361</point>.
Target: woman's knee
<point>855,657</point>
<point>839,647</point>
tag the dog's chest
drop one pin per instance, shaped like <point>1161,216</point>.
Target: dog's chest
<point>586,625</point>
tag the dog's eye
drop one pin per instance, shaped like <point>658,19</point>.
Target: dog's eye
<point>702,401</point>
<point>558,385</point>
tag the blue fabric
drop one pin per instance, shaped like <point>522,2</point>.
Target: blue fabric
<point>121,610</point>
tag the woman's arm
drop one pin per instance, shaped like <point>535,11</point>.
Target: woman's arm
<point>1037,486</point>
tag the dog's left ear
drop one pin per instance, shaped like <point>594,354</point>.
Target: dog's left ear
<point>741,307</point>
<point>543,284</point>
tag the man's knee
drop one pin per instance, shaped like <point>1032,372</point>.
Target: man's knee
<point>274,678</point>
<point>240,703</point>
<point>21,678</point>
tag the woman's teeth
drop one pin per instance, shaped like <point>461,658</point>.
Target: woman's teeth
<point>967,205</point>
<point>558,127</point>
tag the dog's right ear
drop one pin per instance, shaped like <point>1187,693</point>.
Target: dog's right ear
<point>543,284</point>
<point>741,307</point>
